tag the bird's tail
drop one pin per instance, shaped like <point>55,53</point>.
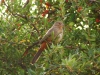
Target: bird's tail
<point>42,48</point>
<point>36,56</point>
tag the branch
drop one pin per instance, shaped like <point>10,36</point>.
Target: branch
<point>35,28</point>
<point>26,3</point>
<point>22,16</point>
<point>28,48</point>
<point>97,56</point>
<point>15,14</point>
<point>71,47</point>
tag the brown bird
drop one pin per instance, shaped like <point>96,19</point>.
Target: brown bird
<point>53,35</point>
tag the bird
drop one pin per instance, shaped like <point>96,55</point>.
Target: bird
<point>53,35</point>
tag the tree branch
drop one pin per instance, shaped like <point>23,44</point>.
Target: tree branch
<point>35,28</point>
<point>15,14</point>
<point>28,48</point>
<point>26,3</point>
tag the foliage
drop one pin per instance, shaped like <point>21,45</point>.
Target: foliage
<point>23,22</point>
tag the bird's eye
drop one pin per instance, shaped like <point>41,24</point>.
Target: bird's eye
<point>59,23</point>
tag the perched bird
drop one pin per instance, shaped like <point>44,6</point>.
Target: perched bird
<point>53,35</point>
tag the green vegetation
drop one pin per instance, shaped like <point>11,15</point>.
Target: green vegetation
<point>24,22</point>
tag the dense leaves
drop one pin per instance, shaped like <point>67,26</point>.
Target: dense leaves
<point>24,22</point>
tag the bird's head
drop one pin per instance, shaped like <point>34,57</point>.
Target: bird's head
<point>59,24</point>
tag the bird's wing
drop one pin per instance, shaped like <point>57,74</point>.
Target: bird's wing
<point>48,34</point>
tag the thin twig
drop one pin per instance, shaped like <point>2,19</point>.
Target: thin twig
<point>26,3</point>
<point>97,56</point>
<point>22,16</point>
<point>35,28</point>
